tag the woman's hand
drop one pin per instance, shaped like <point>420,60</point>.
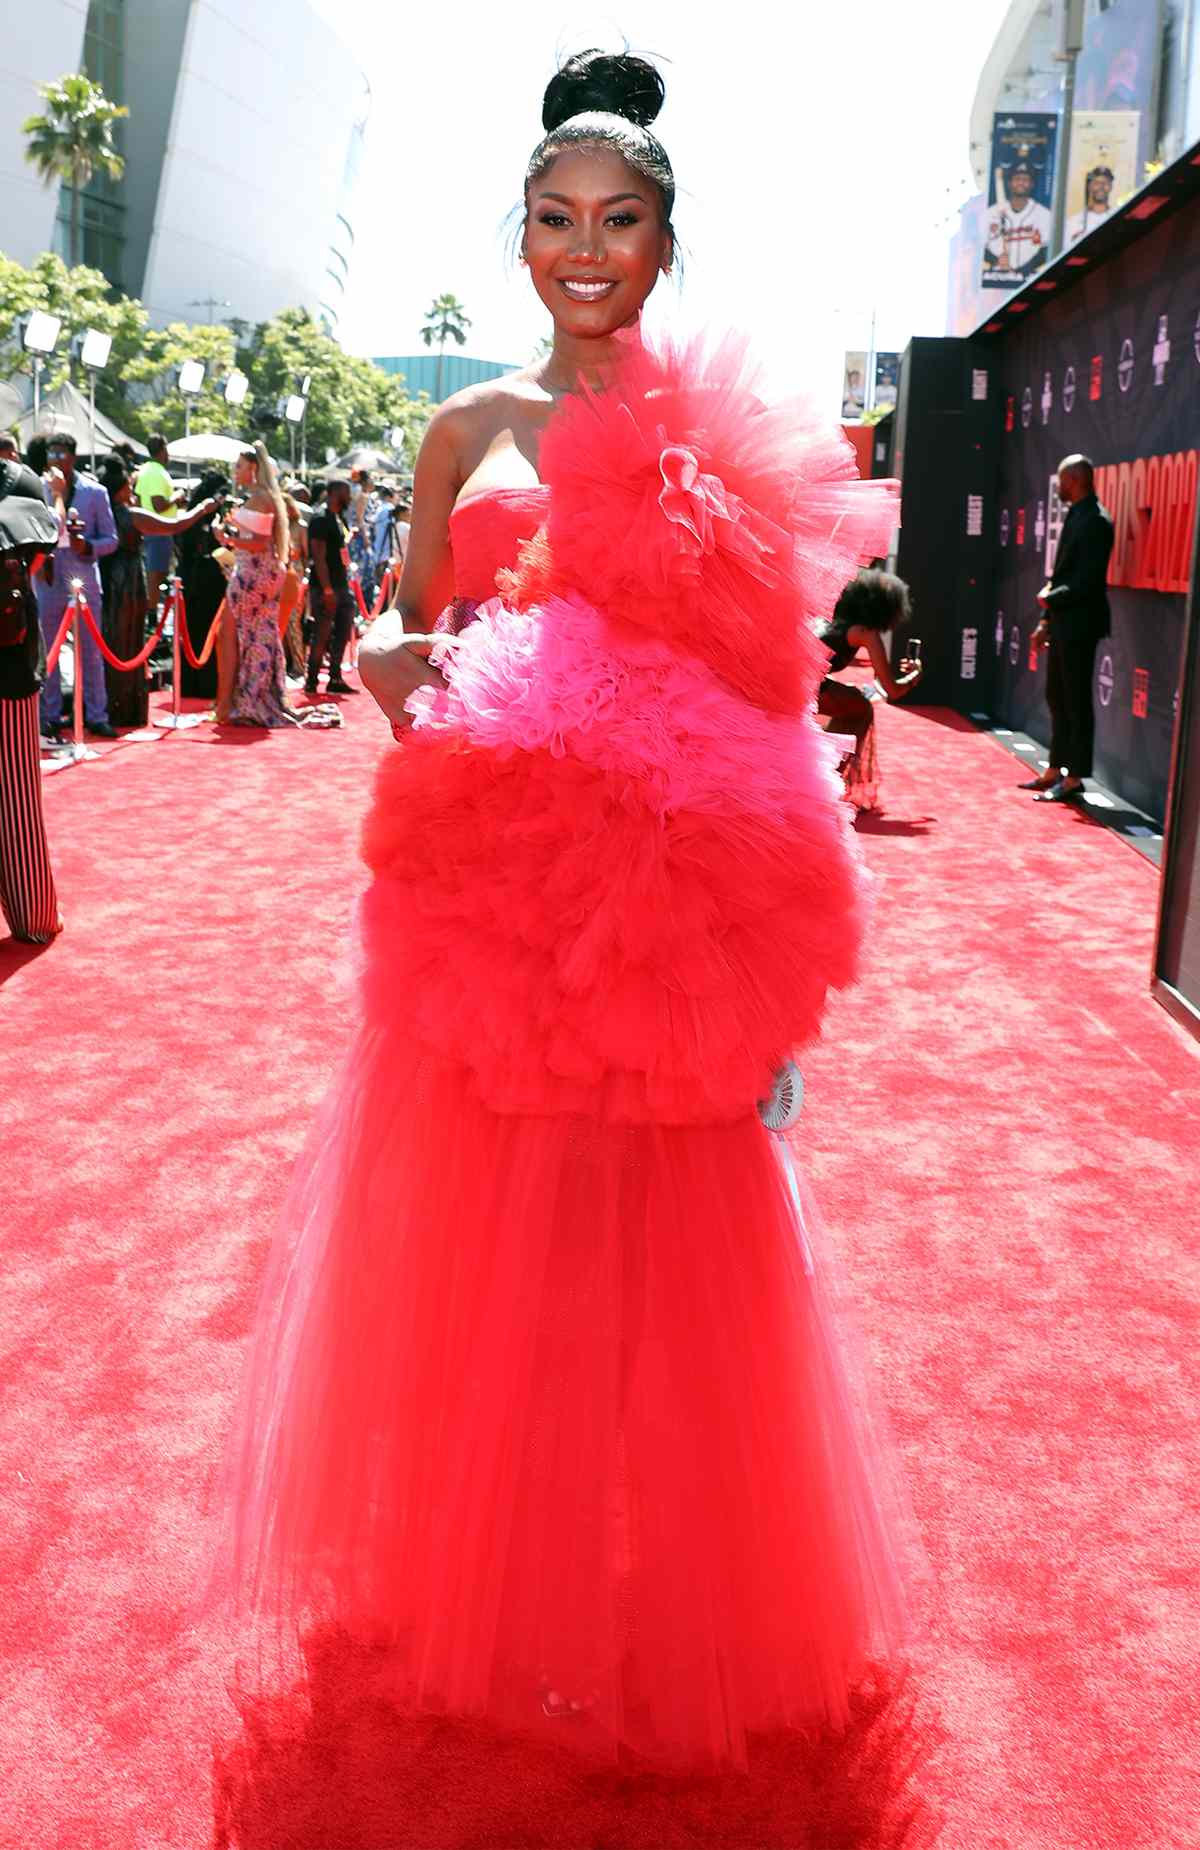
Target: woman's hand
<point>392,664</point>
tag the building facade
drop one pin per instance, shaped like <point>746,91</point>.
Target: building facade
<point>1135,107</point>
<point>244,139</point>
<point>420,372</point>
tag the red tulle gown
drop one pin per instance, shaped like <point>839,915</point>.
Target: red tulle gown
<point>547,1391</point>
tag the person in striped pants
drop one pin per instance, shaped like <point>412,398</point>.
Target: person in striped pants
<point>28,897</point>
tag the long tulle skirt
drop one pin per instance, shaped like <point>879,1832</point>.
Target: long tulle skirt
<point>544,1404</point>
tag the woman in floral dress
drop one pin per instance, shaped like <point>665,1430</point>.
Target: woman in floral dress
<point>259,534</point>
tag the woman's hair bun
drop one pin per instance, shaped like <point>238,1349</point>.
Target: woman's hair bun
<point>615,83</point>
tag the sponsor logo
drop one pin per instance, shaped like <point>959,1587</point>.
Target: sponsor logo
<point>1141,693</point>
<point>1047,399</point>
<point>1054,521</point>
<point>1009,414</point>
<point>979,384</point>
<point>1020,526</point>
<point>1104,679</point>
<point>1125,365</point>
<point>974,516</point>
<point>970,644</point>
<point>1196,339</point>
<point>1068,395</point>
<point>1152,500</point>
<point>999,632</point>
<point>1014,645</point>
<point>1162,351</point>
<point>1034,652</point>
<point>1026,407</point>
<point>1096,382</point>
<point>1004,526</point>
<point>1039,525</point>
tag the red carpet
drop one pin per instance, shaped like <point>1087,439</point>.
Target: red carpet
<point>1002,1130</point>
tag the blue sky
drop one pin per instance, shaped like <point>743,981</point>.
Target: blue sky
<point>821,154</point>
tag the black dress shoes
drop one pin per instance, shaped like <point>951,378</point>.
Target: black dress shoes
<point>339,687</point>
<point>102,730</point>
<point>1060,793</point>
<point>1035,783</point>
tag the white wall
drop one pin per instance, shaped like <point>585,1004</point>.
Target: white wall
<point>45,43</point>
<point>264,108</point>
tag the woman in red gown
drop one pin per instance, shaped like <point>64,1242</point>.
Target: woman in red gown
<point>547,1395</point>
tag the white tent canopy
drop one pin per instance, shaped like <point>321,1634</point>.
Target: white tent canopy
<point>205,446</point>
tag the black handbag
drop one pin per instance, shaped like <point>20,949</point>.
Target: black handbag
<point>27,528</point>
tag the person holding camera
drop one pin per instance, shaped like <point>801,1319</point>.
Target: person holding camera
<point>28,530</point>
<point>87,534</point>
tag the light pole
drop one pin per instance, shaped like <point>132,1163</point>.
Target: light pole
<point>191,381</point>
<point>236,387</point>
<point>94,356</point>
<point>293,410</point>
<point>305,384</point>
<point>1070,44</point>
<point>39,338</point>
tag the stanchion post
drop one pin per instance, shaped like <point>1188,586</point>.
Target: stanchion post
<point>175,721</point>
<point>79,750</point>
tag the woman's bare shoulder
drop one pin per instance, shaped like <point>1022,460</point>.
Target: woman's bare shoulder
<point>480,403</point>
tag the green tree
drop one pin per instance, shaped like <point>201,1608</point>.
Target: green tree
<point>152,397</point>
<point>72,138</point>
<point>350,400</point>
<point>81,298</point>
<point>447,319</point>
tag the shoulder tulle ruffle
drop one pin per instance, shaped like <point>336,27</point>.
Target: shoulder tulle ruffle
<point>684,505</point>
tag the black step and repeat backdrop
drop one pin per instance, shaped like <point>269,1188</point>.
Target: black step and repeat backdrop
<point>1112,369</point>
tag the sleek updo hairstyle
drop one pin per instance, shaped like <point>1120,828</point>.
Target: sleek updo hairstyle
<point>610,99</point>
<point>876,600</point>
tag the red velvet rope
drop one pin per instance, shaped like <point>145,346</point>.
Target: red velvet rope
<point>383,594</point>
<point>362,602</point>
<point>139,660</point>
<point>194,660</point>
<point>52,652</point>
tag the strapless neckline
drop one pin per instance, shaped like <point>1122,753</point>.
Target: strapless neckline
<point>528,490</point>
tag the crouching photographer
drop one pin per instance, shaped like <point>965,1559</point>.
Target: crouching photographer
<point>28,531</point>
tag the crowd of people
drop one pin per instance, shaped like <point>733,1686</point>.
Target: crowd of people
<point>273,559</point>
<point>268,604</point>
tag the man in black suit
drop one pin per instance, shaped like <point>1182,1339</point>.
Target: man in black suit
<point>1076,616</point>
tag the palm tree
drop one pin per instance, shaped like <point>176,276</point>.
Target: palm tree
<point>447,320</point>
<point>72,139</point>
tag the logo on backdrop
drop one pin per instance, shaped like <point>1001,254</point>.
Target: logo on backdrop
<point>1141,693</point>
<point>979,384</point>
<point>1196,339</point>
<point>1125,365</point>
<point>974,516</point>
<point>1054,523</point>
<point>1009,415</point>
<point>1004,526</point>
<point>1096,384</point>
<point>999,632</point>
<point>1014,645</point>
<point>970,643</point>
<point>1162,351</point>
<point>1069,387</point>
<point>1047,399</point>
<point>1026,407</point>
<point>1104,679</point>
<point>1020,526</point>
<point>1039,525</point>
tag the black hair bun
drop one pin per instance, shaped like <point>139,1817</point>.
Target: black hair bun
<point>616,83</point>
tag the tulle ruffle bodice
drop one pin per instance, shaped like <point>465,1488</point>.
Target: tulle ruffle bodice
<point>485,531</point>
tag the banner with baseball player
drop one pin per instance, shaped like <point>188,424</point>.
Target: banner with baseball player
<point>1020,198</point>
<point>1103,168</point>
<point>854,385</point>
